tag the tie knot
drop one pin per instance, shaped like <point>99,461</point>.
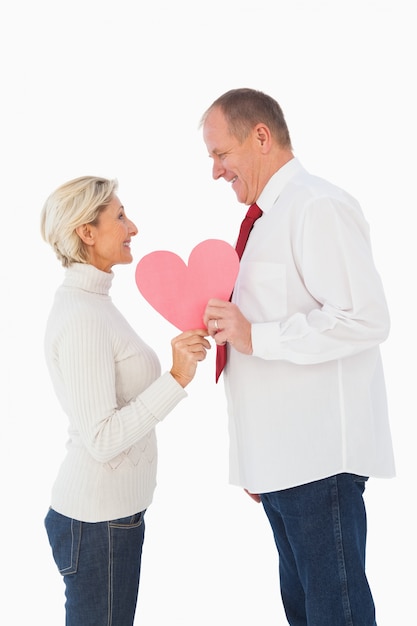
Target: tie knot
<point>254,212</point>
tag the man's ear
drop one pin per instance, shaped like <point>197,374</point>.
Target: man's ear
<point>263,137</point>
<point>86,234</point>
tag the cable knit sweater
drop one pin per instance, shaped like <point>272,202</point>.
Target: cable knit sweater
<point>109,384</point>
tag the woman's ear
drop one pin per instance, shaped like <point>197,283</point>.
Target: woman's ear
<point>86,234</point>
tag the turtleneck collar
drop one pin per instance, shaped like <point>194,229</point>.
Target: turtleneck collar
<point>88,278</point>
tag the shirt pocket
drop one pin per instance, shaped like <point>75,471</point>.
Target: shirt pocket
<point>261,291</point>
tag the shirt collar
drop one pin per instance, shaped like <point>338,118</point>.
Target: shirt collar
<point>276,184</point>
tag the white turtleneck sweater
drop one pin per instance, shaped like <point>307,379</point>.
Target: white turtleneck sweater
<point>109,384</point>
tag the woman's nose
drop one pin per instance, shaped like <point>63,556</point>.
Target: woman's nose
<point>133,229</point>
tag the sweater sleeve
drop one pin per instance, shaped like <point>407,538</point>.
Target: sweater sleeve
<point>97,388</point>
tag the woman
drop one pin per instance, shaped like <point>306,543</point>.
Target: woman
<point>109,383</point>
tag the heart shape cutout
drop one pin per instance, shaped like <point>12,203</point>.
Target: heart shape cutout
<point>180,292</point>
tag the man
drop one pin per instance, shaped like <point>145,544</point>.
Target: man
<point>304,382</point>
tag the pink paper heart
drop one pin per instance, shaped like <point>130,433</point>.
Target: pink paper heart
<point>179,292</point>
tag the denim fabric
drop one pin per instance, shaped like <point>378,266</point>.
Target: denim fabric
<point>100,564</point>
<point>320,533</point>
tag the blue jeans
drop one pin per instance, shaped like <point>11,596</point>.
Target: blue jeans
<point>320,533</point>
<point>100,564</point>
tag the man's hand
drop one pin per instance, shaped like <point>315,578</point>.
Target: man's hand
<point>226,323</point>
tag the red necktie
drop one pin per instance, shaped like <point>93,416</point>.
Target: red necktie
<point>250,218</point>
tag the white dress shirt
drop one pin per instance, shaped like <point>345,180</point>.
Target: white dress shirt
<point>310,402</point>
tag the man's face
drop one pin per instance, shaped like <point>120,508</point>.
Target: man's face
<point>238,163</point>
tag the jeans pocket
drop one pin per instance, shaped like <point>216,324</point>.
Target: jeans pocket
<point>64,536</point>
<point>131,521</point>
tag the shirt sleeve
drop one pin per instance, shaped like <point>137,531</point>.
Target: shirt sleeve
<point>333,257</point>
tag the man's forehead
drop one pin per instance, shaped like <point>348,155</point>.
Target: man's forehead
<point>216,131</point>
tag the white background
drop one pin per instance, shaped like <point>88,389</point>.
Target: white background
<point>117,89</point>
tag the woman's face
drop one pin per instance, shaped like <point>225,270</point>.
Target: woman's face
<point>109,240</point>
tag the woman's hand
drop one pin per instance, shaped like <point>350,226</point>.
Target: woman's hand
<point>187,349</point>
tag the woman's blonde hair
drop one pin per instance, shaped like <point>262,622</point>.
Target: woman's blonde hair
<point>77,202</point>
